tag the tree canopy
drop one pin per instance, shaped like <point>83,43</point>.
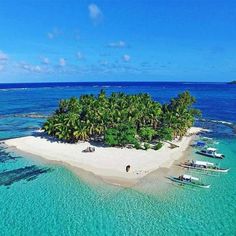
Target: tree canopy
<point>121,119</point>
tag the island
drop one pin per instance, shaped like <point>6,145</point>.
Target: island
<point>232,82</point>
<point>120,137</point>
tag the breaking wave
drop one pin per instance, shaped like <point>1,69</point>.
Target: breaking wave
<point>222,122</point>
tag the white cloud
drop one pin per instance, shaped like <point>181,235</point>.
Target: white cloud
<point>3,56</point>
<point>24,66</point>
<point>62,62</point>
<point>119,44</point>
<point>50,35</point>
<point>30,68</point>
<point>54,33</point>
<point>79,56</point>
<point>126,58</point>
<point>36,69</point>
<point>1,68</point>
<point>45,61</point>
<point>95,13</point>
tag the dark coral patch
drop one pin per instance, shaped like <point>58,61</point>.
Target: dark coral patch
<point>27,173</point>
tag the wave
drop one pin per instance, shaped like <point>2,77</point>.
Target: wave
<point>26,115</point>
<point>222,122</point>
<point>46,88</point>
<point>18,89</point>
<point>13,89</point>
<point>217,121</point>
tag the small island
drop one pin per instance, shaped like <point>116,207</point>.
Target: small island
<point>120,137</point>
<point>232,82</point>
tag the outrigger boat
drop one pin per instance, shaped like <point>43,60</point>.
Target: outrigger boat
<point>208,140</point>
<point>199,144</point>
<point>202,165</point>
<point>210,152</point>
<point>189,180</point>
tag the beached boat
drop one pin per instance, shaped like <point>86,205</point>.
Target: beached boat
<point>210,152</point>
<point>189,180</point>
<point>203,165</point>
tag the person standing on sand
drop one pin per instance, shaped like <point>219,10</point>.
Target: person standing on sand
<point>127,168</point>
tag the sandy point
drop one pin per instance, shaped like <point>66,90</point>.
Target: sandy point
<point>109,163</point>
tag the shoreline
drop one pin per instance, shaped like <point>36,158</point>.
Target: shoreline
<point>106,163</point>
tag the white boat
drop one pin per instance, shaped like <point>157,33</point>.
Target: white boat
<point>189,180</point>
<point>210,152</point>
<point>203,165</point>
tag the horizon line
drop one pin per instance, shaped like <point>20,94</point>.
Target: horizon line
<point>84,82</point>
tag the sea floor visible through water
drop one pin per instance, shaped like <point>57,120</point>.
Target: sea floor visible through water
<point>39,198</point>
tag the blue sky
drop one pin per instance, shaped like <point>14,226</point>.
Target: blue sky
<point>161,40</point>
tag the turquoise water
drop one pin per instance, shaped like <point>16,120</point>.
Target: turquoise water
<point>45,199</point>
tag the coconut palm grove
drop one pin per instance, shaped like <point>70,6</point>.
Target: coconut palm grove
<point>121,119</point>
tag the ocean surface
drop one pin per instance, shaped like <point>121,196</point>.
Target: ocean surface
<point>37,198</point>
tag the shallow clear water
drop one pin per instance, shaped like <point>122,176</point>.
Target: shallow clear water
<point>45,199</point>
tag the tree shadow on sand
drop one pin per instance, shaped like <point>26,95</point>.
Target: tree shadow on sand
<point>52,139</point>
<point>27,173</point>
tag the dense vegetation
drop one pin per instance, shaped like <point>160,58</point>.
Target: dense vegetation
<point>122,119</point>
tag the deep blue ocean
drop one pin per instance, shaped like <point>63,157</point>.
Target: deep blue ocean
<point>44,199</point>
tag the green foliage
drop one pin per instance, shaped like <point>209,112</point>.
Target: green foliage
<point>137,145</point>
<point>158,146</point>
<point>70,105</point>
<point>147,134</point>
<point>179,114</point>
<point>121,119</point>
<point>146,146</point>
<point>165,133</point>
<point>121,135</point>
<point>112,137</point>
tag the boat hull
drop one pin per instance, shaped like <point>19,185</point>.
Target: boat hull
<point>174,179</point>
<point>209,155</point>
<point>205,169</point>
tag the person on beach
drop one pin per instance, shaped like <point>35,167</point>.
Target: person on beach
<point>127,168</point>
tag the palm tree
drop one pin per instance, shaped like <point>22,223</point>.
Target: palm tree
<point>90,116</point>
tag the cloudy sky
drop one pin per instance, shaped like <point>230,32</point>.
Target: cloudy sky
<point>117,40</point>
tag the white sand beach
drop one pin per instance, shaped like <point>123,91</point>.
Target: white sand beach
<point>108,163</point>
